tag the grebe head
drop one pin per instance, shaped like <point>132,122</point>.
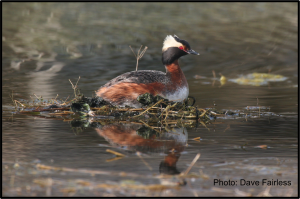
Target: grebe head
<point>174,48</point>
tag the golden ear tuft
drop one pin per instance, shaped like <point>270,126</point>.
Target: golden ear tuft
<point>170,41</point>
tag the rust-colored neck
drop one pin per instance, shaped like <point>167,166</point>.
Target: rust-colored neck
<point>174,67</point>
<point>171,159</point>
<point>176,74</point>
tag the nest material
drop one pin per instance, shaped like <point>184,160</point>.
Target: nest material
<point>155,108</point>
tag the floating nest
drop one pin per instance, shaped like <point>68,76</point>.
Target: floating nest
<point>154,108</point>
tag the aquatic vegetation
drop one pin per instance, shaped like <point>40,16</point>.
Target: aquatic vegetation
<point>258,79</point>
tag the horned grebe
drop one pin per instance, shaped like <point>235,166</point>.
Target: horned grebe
<point>172,85</point>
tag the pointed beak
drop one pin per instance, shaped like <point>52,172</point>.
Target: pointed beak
<point>192,52</point>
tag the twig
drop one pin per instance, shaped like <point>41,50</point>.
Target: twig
<point>12,98</point>
<point>139,55</point>
<point>214,73</point>
<point>114,152</point>
<point>75,87</point>
<point>56,96</point>
<point>19,103</point>
<point>192,164</point>
<point>149,126</point>
<point>149,108</point>
<point>149,167</point>
<point>94,172</point>
<point>115,158</point>
<point>203,113</point>
<point>167,110</point>
<point>37,97</point>
<point>65,100</point>
<point>48,109</point>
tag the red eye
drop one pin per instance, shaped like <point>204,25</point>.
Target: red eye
<point>181,47</point>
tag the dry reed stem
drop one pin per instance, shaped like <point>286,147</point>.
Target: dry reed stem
<point>37,96</point>
<point>149,126</point>
<point>113,159</point>
<point>19,103</point>
<point>65,101</point>
<point>149,108</point>
<point>228,127</point>
<point>204,113</point>
<point>204,125</point>
<point>62,113</point>
<point>213,113</point>
<point>167,109</point>
<point>75,87</point>
<point>139,55</point>
<point>56,97</point>
<point>99,172</point>
<point>116,153</point>
<point>12,98</point>
<point>191,165</point>
<point>149,167</point>
<point>47,109</point>
<point>138,109</point>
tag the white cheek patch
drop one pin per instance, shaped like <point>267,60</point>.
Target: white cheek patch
<point>170,42</point>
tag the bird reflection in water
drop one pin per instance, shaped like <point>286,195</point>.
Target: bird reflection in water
<point>140,138</point>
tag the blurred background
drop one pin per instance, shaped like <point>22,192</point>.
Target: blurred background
<point>46,44</point>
